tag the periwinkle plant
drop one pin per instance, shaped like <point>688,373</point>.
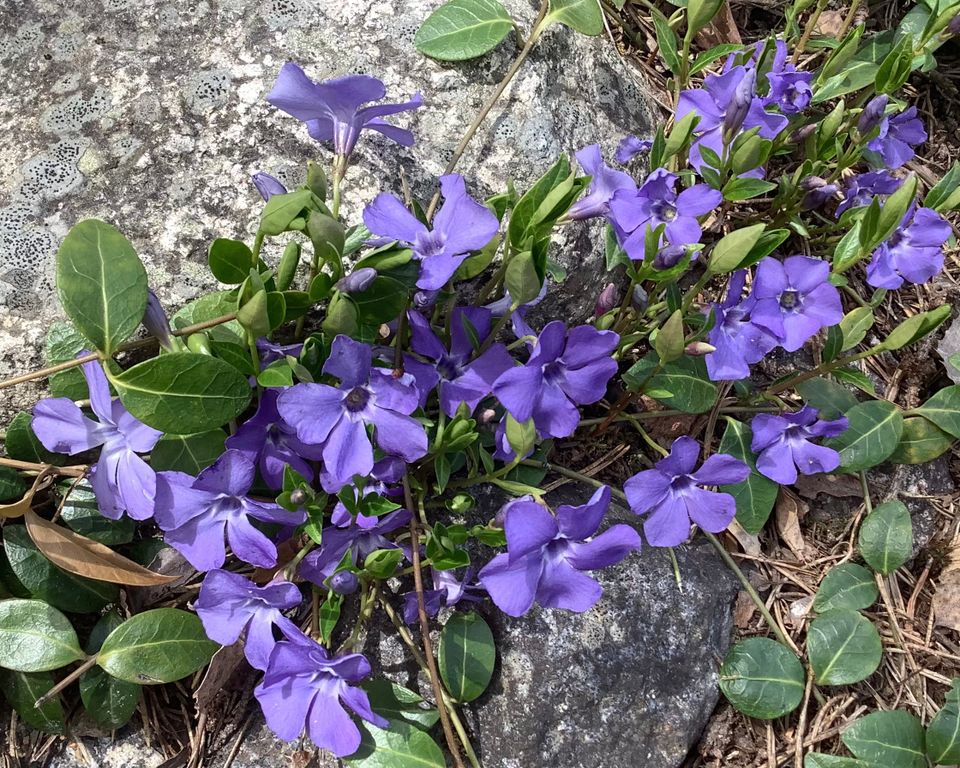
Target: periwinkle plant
<point>358,436</point>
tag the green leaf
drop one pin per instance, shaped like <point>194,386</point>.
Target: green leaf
<point>669,342</point>
<point>35,637</point>
<point>109,701</point>
<point>12,486</point>
<point>466,655</point>
<point>914,328</point>
<point>889,739</point>
<point>762,678</point>
<point>541,204</point>
<point>230,260</point>
<point>521,437</point>
<point>63,590</point>
<point>22,689</point>
<point>584,16</point>
<point>943,409</point>
<point>101,283</point>
<point>682,384</point>
<point>382,302</point>
<point>463,29</point>
<point>922,441</point>
<point>64,343</point>
<point>820,760</point>
<point>188,453</point>
<point>699,14</point>
<point>210,306</point>
<point>943,733</point>
<point>744,189</point>
<point>280,211</point>
<point>395,702</point>
<point>522,280</point>
<point>848,587</point>
<point>874,433</point>
<point>733,248</point>
<point>843,648</point>
<point>667,42</point>
<point>183,393</point>
<point>82,514</point>
<point>158,646</point>
<point>401,745</point>
<point>886,537</point>
<point>945,196</point>
<point>854,326</point>
<point>706,58</point>
<point>756,495</point>
<point>828,397</point>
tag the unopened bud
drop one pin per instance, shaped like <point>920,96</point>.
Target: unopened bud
<point>267,185</point>
<point>199,344</point>
<point>357,281</point>
<point>669,256</point>
<point>425,299</point>
<point>739,105</point>
<point>698,349</point>
<point>607,300</point>
<point>298,496</point>
<point>872,114</point>
<point>953,28</point>
<point>816,197</point>
<point>344,582</point>
<point>155,321</point>
<point>802,133</point>
<point>640,298</point>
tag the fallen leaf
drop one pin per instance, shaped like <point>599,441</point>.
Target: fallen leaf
<point>800,609</point>
<point>721,29</point>
<point>167,562</point>
<point>789,512</point>
<point>285,554</point>
<point>19,508</point>
<point>743,610</point>
<point>838,486</point>
<point>829,24</point>
<point>223,666</point>
<point>748,542</point>
<point>78,554</point>
<point>953,557</point>
<point>946,600</point>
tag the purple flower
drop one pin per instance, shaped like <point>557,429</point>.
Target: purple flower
<point>270,351</point>
<point>913,253</point>
<point>631,146</point>
<point>563,371</point>
<point>447,591</point>
<point>156,322</point>
<point>461,225</point>
<point>818,192</point>
<point>673,495</point>
<point>899,134</point>
<point>196,512</point>
<point>656,203</point>
<point>712,102</point>
<point>230,604</point>
<point>609,298</point>
<point>344,582</point>
<point>305,688</point>
<point>860,189</point>
<point>267,440</point>
<point>794,299</point>
<point>739,342</point>
<point>337,417</point>
<point>121,480</point>
<point>790,90</point>
<point>460,380</point>
<point>357,281</point>
<point>603,183</point>
<point>546,556</point>
<point>872,114</point>
<point>388,470</point>
<point>333,110</point>
<point>784,445</point>
<point>267,185</point>
<point>739,105</point>
<point>357,538</point>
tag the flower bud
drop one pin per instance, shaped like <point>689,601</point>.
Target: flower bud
<point>357,281</point>
<point>156,323</point>
<point>199,344</point>
<point>739,105</point>
<point>640,298</point>
<point>607,300</point>
<point>699,349</point>
<point>802,133</point>
<point>425,299</point>
<point>344,582</point>
<point>872,114</point>
<point>298,496</point>
<point>817,195</point>
<point>267,185</point>
<point>669,256</point>
<point>953,28</point>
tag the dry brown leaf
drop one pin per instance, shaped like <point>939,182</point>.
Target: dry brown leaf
<point>18,508</point>
<point>838,486</point>
<point>748,542</point>
<point>829,24</point>
<point>78,554</point>
<point>800,610</point>
<point>946,600</point>
<point>743,610</point>
<point>223,666</point>
<point>721,29</point>
<point>788,514</point>
<point>953,557</point>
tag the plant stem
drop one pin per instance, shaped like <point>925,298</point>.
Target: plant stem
<point>535,33</point>
<point>425,626</point>
<point>76,470</point>
<point>814,372</point>
<point>71,678</point>
<point>670,413</point>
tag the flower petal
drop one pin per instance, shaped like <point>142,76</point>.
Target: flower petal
<point>609,548</point>
<point>512,586</point>
<point>562,586</point>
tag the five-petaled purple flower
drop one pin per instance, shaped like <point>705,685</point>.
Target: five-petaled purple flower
<point>657,202</point>
<point>914,251</point>
<point>230,604</point>
<point>447,591</point>
<point>631,146</point>
<point>461,225</point>
<point>783,444</point>
<point>860,189</point>
<point>462,379</point>
<point>794,299</point>
<point>546,555</point>
<point>266,439</point>
<point>196,512</point>
<point>121,480</point>
<point>673,495</point>
<point>333,110</point>
<point>563,371</point>
<point>337,417</point>
<point>899,134</point>
<point>790,90</point>
<point>604,181</point>
<point>305,688</point>
<point>738,341</point>
<point>359,538</point>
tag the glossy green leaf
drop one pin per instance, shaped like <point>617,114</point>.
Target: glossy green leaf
<point>756,495</point>
<point>230,260</point>
<point>395,702</point>
<point>888,739</point>
<point>109,701</point>
<point>744,189</point>
<point>827,396</point>
<point>682,384</point>
<point>733,248</point>
<point>81,513</point>
<point>12,486</point>
<point>762,678</point>
<point>208,307</point>
<point>584,16</point>
<point>183,393</point>
<point>667,42</point>
<point>158,646</point>
<point>463,29</point>
<point>915,328</point>
<point>466,655</point>
<point>943,732</point>
<point>669,341</point>
<point>101,283</point>
<point>542,204</point>
<point>522,280</point>
<point>886,537</point>
<point>854,326</point>
<point>382,302</point>
<point>945,195</point>
<point>63,590</point>
<point>281,210</point>
<point>847,587</point>
<point>22,689</point>
<point>35,637</point>
<point>64,343</point>
<point>401,745</point>
<point>843,647</point>
<point>921,441</point>
<point>188,453</point>
<point>874,433</point>
<point>943,409</point>
<point>820,760</point>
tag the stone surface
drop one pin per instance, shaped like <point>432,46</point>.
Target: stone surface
<point>150,115</point>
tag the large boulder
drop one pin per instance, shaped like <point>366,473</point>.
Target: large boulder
<point>151,115</point>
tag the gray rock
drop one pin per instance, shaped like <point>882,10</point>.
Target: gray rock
<point>948,347</point>
<point>151,115</point>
